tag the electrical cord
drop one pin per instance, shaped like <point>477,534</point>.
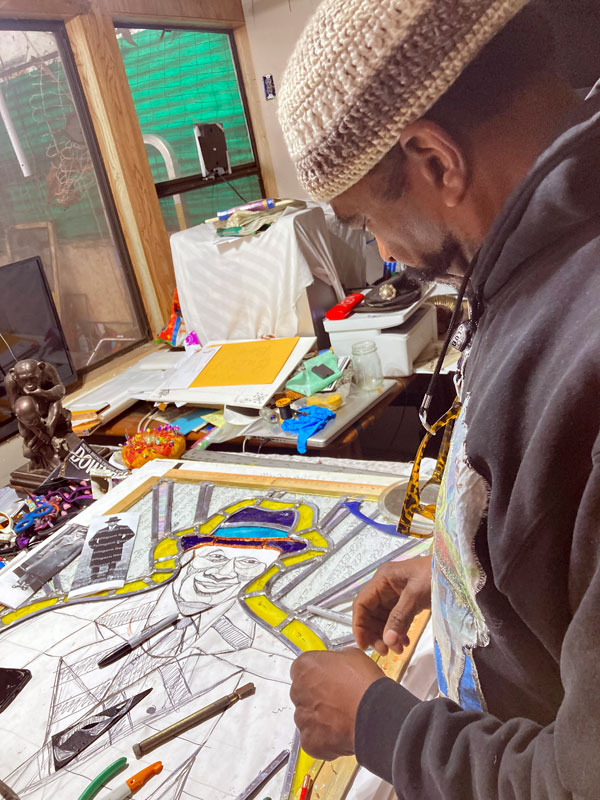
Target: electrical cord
<point>231,186</point>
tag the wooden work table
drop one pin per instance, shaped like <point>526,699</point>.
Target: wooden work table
<point>346,445</point>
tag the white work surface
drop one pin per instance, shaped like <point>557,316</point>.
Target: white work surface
<point>252,286</point>
<point>22,735</point>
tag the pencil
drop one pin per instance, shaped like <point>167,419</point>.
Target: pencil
<point>306,787</point>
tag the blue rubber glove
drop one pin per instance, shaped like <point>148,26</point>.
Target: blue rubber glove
<point>308,421</point>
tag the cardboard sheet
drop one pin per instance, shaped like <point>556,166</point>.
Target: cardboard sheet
<point>242,363</point>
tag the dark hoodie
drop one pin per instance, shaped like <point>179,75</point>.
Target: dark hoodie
<point>516,582</point>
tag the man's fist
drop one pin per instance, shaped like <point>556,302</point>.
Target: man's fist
<point>384,609</point>
<point>327,689</point>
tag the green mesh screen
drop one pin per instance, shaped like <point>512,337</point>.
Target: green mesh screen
<point>176,78</point>
<point>62,186</point>
<point>201,204</point>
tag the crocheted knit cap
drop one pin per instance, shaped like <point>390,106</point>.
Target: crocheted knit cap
<point>365,69</point>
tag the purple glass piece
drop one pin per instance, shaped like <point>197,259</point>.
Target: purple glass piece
<point>283,518</point>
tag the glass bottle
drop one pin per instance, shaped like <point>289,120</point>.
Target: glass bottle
<point>368,373</point>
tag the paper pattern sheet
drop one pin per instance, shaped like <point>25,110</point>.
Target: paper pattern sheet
<point>106,554</point>
<point>235,536</point>
<point>27,575</point>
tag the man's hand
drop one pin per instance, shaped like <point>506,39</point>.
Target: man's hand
<point>384,609</point>
<point>326,690</point>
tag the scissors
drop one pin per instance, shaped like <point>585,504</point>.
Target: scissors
<point>27,520</point>
<point>7,532</point>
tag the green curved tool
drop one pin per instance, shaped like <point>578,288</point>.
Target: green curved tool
<point>92,790</point>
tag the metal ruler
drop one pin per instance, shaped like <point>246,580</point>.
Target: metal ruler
<point>264,776</point>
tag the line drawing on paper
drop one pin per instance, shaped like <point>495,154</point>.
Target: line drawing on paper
<point>224,572</point>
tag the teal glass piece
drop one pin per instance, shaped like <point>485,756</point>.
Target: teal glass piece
<point>250,532</point>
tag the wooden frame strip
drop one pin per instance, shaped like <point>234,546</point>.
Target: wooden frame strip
<point>250,80</point>
<point>255,482</point>
<point>218,13</point>
<point>94,43</point>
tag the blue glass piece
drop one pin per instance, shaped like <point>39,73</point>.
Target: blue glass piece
<point>353,507</point>
<point>250,532</point>
<point>284,517</point>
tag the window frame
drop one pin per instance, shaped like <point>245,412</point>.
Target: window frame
<point>57,27</point>
<point>190,183</point>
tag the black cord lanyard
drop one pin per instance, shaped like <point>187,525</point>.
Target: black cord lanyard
<point>450,335</point>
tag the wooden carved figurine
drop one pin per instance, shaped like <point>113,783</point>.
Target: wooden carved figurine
<point>35,392</point>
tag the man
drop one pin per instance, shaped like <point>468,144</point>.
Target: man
<point>443,127</point>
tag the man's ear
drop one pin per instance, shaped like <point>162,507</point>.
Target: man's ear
<point>437,158</point>
<point>42,366</point>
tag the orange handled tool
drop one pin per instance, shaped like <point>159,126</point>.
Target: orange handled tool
<point>135,782</point>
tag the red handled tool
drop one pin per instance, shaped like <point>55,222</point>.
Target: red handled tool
<point>341,310</point>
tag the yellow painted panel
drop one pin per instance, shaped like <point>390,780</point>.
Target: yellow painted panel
<point>212,523</point>
<point>315,538</point>
<point>166,547</point>
<point>297,559</point>
<point>134,586</point>
<point>186,532</point>
<point>301,635</point>
<point>306,517</point>
<point>161,576</point>
<point>303,765</point>
<point>275,505</point>
<point>27,610</point>
<point>261,581</point>
<point>169,564</point>
<point>237,506</point>
<point>266,610</point>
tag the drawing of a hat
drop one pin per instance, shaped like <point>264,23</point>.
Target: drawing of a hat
<point>254,526</point>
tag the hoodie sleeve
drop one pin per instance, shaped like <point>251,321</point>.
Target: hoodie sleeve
<point>435,750</point>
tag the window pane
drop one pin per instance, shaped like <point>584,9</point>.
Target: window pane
<point>177,78</point>
<point>50,203</point>
<point>192,208</point>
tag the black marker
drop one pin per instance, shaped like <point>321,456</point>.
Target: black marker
<point>142,637</point>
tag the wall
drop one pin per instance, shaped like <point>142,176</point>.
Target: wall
<point>273,28</point>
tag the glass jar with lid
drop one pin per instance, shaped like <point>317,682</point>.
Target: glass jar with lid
<point>368,373</point>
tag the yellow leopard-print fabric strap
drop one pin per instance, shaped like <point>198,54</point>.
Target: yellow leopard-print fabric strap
<point>412,501</point>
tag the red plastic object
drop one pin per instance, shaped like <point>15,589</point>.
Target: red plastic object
<point>341,310</point>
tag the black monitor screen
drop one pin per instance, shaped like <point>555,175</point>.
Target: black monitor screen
<point>29,328</point>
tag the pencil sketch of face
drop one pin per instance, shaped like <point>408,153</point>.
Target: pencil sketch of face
<point>216,573</point>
